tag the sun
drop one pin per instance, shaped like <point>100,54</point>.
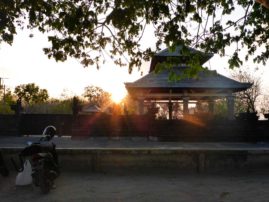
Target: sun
<point>117,94</point>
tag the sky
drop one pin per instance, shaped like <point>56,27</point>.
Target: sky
<point>24,62</point>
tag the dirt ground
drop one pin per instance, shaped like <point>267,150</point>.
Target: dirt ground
<point>75,186</point>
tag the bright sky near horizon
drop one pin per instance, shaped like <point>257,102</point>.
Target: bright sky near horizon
<point>24,62</point>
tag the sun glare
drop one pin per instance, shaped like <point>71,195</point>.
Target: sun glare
<point>118,94</point>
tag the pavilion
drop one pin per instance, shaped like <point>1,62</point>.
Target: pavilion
<point>207,87</point>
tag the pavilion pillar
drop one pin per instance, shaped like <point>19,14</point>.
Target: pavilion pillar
<point>140,106</point>
<point>185,105</point>
<point>230,105</point>
<point>211,105</point>
<point>170,108</point>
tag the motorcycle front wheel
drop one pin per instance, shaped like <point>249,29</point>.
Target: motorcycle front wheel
<point>45,182</point>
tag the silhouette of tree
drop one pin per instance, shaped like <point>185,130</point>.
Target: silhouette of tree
<point>89,29</point>
<point>31,93</point>
<point>76,105</point>
<point>246,101</point>
<point>97,96</point>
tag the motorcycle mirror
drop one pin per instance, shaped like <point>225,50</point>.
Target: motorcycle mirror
<point>49,131</point>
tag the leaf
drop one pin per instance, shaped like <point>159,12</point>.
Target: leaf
<point>118,27</point>
<point>234,61</point>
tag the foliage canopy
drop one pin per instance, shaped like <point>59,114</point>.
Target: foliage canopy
<point>31,93</point>
<point>89,29</point>
<point>97,96</point>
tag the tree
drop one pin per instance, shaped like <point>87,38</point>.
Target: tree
<point>89,29</point>
<point>264,104</point>
<point>6,101</point>
<point>76,105</point>
<point>9,97</point>
<point>51,106</point>
<point>31,93</point>
<point>97,96</point>
<point>246,101</point>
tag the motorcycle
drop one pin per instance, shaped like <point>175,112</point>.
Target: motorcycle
<point>44,160</point>
<point>3,168</point>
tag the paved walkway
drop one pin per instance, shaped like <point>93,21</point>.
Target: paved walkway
<point>98,187</point>
<point>131,143</point>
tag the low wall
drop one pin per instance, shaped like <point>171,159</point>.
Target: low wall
<point>155,160</point>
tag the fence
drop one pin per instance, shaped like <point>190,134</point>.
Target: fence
<point>103,125</point>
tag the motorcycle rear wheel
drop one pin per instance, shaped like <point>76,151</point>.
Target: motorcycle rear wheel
<point>4,171</point>
<point>45,182</point>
